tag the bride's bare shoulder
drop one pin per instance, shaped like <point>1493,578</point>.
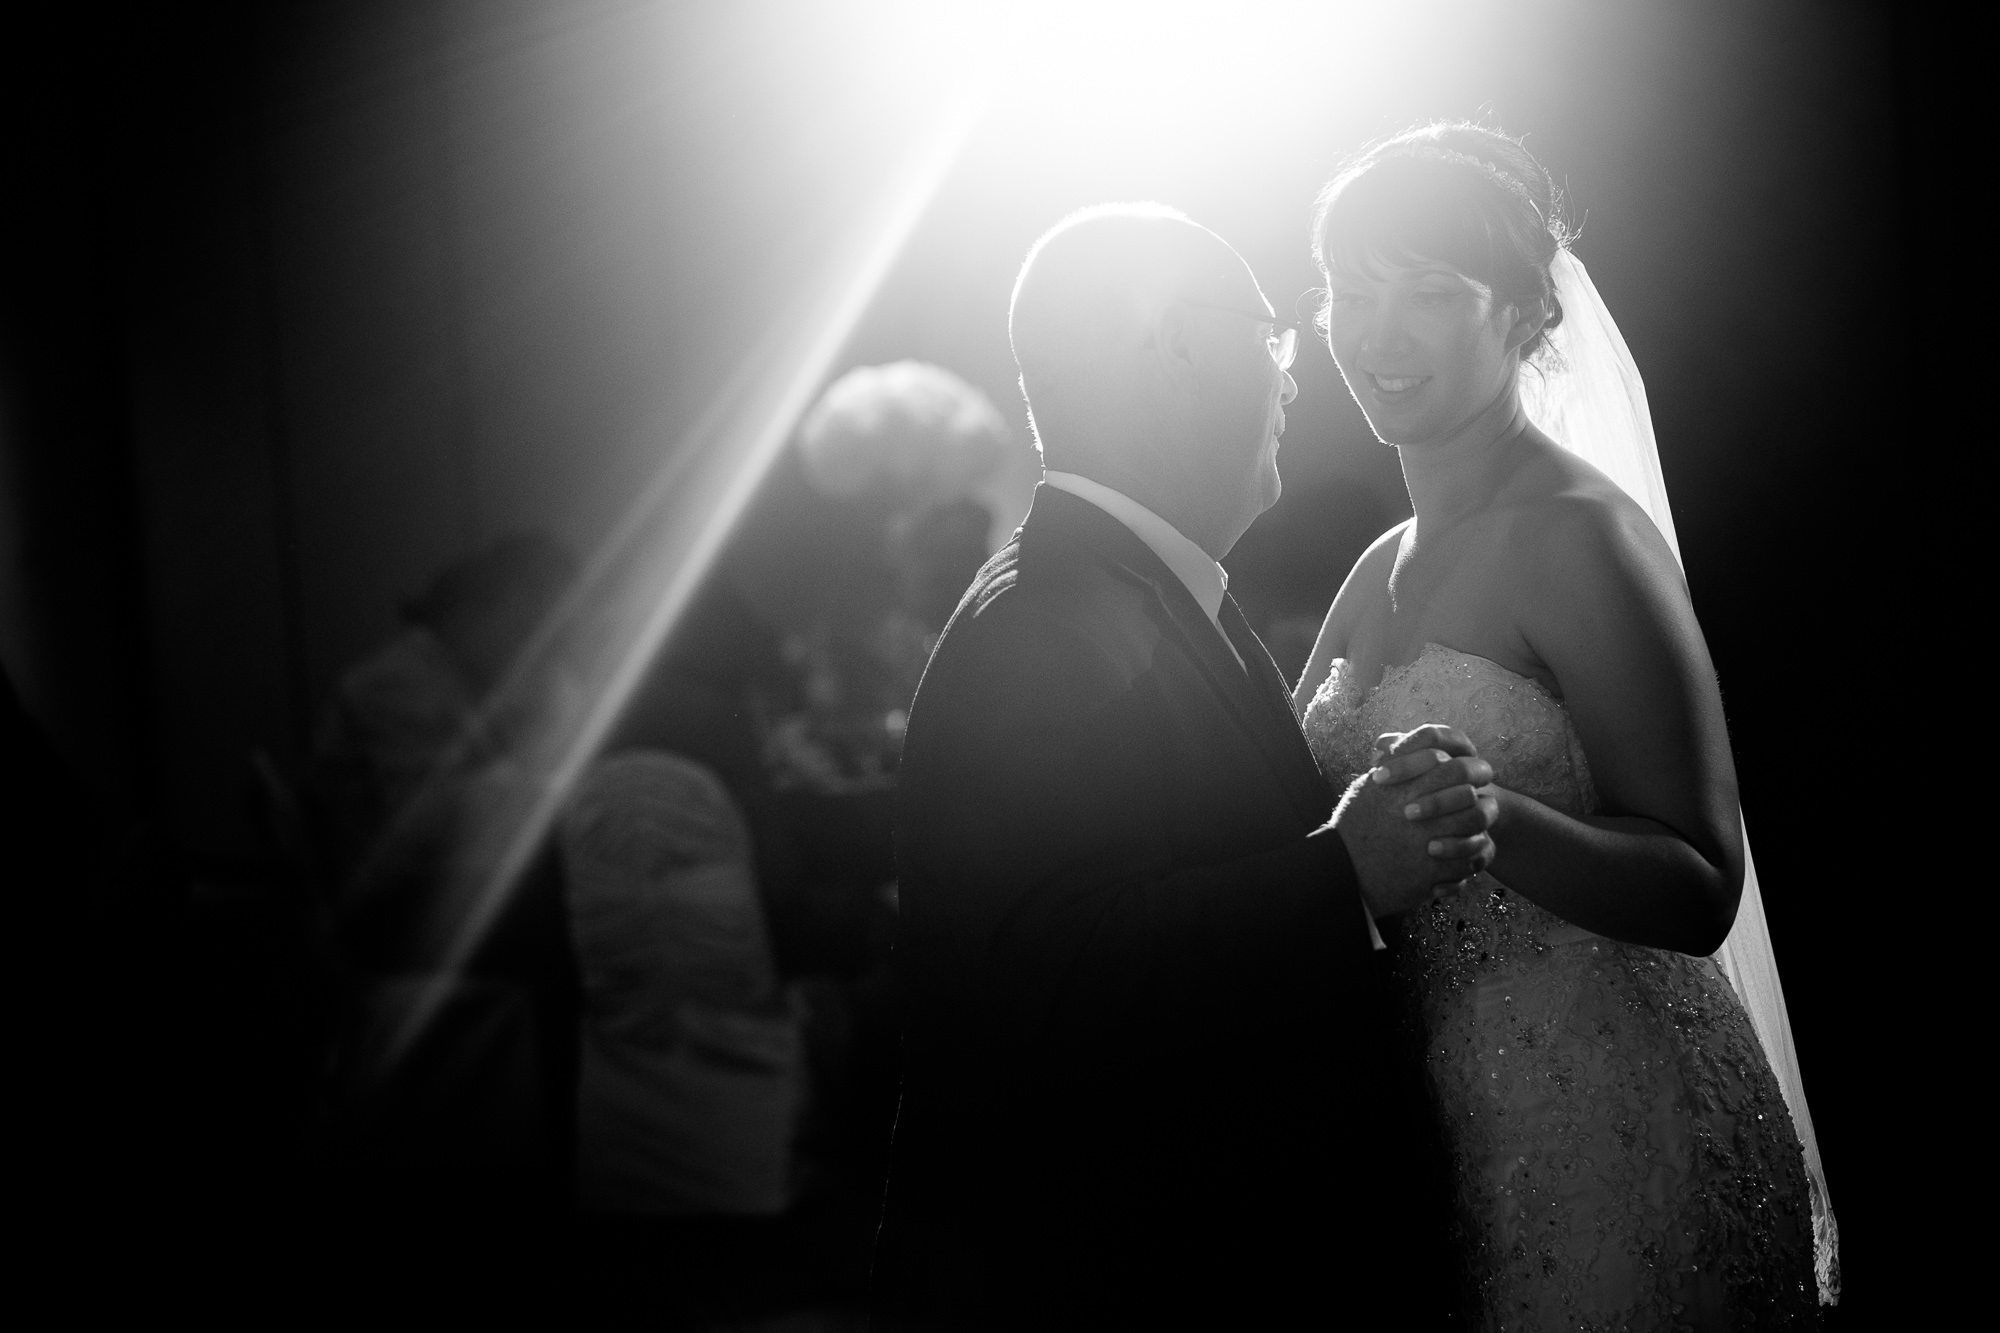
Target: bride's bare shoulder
<point>1368,582</point>
<point>1582,532</point>
<point>1377,560</point>
<point>1562,500</point>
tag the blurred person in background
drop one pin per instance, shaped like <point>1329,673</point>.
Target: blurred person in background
<point>924,479</point>
<point>415,713</point>
<point>416,746</point>
<point>692,1069</point>
<point>739,826</point>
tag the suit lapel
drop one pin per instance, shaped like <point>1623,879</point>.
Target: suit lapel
<point>1268,682</point>
<point>1272,689</point>
<point>1253,692</point>
<point>1287,746</point>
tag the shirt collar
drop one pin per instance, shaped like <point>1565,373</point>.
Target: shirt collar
<point>1204,578</point>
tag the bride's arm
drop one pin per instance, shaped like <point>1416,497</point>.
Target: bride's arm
<point>1368,579</point>
<point>1606,610</point>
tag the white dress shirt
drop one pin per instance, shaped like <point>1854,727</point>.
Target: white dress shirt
<point>1205,578</point>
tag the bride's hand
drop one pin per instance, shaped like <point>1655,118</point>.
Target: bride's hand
<point>1417,823</point>
<point>1448,801</point>
<point>1435,736</point>
<point>1443,802</point>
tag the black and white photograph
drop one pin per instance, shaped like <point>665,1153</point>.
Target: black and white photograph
<point>902,666</point>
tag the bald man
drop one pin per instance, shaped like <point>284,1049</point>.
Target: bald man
<point>1143,1085</point>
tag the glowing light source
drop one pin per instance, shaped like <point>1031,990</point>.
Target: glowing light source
<point>1117,68</point>
<point>1066,85</point>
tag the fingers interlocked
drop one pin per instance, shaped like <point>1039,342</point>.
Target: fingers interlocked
<point>1446,793</point>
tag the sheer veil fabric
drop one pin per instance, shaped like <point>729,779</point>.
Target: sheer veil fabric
<point>1591,401</point>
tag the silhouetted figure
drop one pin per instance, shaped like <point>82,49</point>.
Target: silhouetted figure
<point>1143,1084</point>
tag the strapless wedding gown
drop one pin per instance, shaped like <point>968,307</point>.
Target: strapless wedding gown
<point>1621,1153</point>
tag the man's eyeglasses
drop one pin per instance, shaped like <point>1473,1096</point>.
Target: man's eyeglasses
<point>1283,341</point>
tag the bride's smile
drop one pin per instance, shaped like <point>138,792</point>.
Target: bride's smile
<point>1387,385</point>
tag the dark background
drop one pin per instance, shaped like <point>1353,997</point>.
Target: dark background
<point>301,303</point>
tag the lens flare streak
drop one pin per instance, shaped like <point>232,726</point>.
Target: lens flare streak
<point>649,569</point>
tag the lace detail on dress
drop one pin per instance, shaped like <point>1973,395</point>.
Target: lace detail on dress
<point>1622,1155</point>
<point>1520,726</point>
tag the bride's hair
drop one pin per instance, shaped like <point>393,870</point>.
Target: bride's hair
<point>1448,192</point>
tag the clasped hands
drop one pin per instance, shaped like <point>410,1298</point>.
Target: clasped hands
<point>1416,826</point>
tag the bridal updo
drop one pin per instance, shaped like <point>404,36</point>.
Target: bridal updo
<point>1449,192</point>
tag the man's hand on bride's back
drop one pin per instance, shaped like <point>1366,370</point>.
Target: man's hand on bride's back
<point>1417,823</point>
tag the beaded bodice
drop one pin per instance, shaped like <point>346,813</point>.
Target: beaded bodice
<point>1621,1155</point>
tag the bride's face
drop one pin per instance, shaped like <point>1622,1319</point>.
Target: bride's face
<point>1424,350</point>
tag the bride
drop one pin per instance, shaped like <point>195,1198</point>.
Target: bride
<point>1622,1149</point>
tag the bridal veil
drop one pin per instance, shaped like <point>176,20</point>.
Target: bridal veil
<point>1591,400</point>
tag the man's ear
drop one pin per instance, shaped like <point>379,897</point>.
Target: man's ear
<point>1172,334</point>
<point>1528,321</point>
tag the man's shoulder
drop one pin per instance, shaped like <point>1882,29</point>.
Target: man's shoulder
<point>1051,632</point>
<point>1048,594</point>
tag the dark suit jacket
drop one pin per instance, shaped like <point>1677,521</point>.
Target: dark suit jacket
<point>1141,1068</point>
